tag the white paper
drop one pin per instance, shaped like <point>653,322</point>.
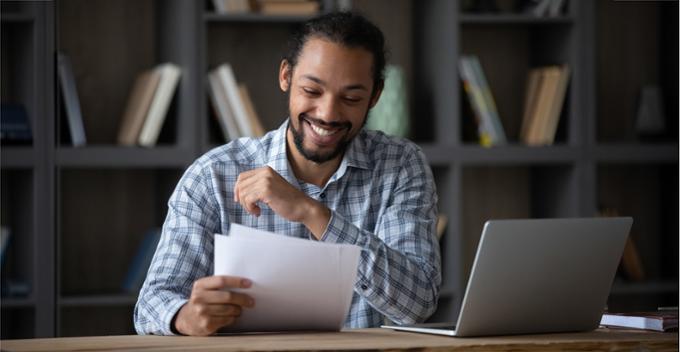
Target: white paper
<point>297,284</point>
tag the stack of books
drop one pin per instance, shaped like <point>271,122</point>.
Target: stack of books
<point>233,107</point>
<point>545,93</point>
<point>148,105</point>
<point>661,320</point>
<point>268,7</point>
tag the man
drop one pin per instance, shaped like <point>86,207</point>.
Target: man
<point>319,176</point>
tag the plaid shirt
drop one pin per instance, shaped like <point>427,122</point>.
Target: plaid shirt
<point>382,199</point>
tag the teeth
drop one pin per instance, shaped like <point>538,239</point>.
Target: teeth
<point>320,131</point>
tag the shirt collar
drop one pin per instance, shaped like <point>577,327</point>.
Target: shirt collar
<point>355,155</point>
<point>277,159</point>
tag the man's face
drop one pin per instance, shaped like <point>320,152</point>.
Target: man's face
<point>329,97</point>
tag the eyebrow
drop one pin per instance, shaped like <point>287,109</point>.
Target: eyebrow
<point>321,82</point>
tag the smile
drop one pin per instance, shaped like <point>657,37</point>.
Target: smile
<point>323,131</point>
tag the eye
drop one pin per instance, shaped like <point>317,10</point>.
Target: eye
<point>311,92</point>
<point>352,99</point>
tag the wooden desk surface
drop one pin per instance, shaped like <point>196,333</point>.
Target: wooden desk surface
<point>364,339</point>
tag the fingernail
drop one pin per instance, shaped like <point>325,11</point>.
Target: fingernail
<point>246,283</point>
<point>251,302</point>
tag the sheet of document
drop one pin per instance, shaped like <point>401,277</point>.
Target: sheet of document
<point>297,284</point>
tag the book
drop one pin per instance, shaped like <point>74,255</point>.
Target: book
<point>631,263</point>
<point>255,123</point>
<point>290,7</point>
<point>134,278</point>
<point>232,6</point>
<point>556,104</point>
<point>490,129</point>
<point>69,94</point>
<point>15,128</point>
<point>544,99</point>
<point>531,91</point>
<point>223,112</point>
<point>491,109</point>
<point>228,80</point>
<point>137,107</point>
<point>153,122</point>
<point>442,221</point>
<point>5,235</point>
<point>661,320</point>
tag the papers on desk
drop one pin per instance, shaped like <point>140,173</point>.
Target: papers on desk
<point>297,284</point>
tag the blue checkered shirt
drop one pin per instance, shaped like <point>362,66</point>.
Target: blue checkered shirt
<point>382,199</point>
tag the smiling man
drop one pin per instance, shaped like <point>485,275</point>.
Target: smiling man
<point>319,176</point>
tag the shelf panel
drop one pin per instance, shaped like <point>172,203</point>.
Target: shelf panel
<point>514,19</point>
<point>506,155</point>
<point>113,156</point>
<point>638,288</point>
<point>16,18</point>
<point>12,302</point>
<point>98,300</point>
<point>636,153</point>
<point>17,157</point>
<point>211,17</point>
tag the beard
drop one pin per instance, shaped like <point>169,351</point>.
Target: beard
<point>319,156</point>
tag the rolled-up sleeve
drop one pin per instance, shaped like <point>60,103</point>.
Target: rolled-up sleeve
<point>399,270</point>
<point>184,253</point>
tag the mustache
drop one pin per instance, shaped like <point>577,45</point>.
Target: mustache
<point>332,124</point>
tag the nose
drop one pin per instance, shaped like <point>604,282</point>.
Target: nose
<point>328,109</point>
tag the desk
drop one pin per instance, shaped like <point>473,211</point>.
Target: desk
<point>363,339</point>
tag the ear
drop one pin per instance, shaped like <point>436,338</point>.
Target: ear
<point>376,95</point>
<point>285,75</point>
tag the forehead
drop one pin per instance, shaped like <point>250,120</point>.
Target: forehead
<point>335,63</point>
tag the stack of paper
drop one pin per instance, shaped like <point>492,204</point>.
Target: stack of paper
<point>297,284</point>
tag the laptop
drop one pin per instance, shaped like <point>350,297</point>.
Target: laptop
<point>538,276</point>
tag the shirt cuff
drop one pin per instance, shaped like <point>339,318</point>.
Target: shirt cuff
<point>339,230</point>
<point>171,310</point>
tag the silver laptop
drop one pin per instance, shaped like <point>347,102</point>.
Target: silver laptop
<point>538,276</point>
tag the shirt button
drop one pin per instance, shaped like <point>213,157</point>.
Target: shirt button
<point>322,195</point>
<point>364,287</point>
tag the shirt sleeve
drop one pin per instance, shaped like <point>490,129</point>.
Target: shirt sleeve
<point>183,255</point>
<point>399,270</point>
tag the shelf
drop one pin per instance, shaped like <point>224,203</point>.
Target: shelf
<point>16,18</point>
<point>513,19</point>
<point>636,153</point>
<point>12,302</point>
<point>114,157</point>
<point>98,300</point>
<point>505,155</point>
<point>16,157</point>
<point>211,17</point>
<point>642,288</point>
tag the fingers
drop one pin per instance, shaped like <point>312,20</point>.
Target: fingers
<point>248,191</point>
<point>217,282</point>
<point>224,297</point>
<point>219,310</point>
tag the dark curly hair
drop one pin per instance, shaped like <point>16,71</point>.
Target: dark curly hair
<point>346,28</point>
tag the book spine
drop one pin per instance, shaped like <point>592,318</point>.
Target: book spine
<point>476,102</point>
<point>159,106</point>
<point>225,116</point>
<point>492,112</point>
<point>233,96</point>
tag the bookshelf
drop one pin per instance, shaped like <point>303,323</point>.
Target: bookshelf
<point>77,215</point>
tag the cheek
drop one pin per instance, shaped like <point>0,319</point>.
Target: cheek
<point>298,104</point>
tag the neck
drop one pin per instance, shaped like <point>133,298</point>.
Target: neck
<point>306,170</point>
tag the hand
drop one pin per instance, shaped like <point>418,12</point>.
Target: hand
<point>210,307</point>
<point>267,186</point>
